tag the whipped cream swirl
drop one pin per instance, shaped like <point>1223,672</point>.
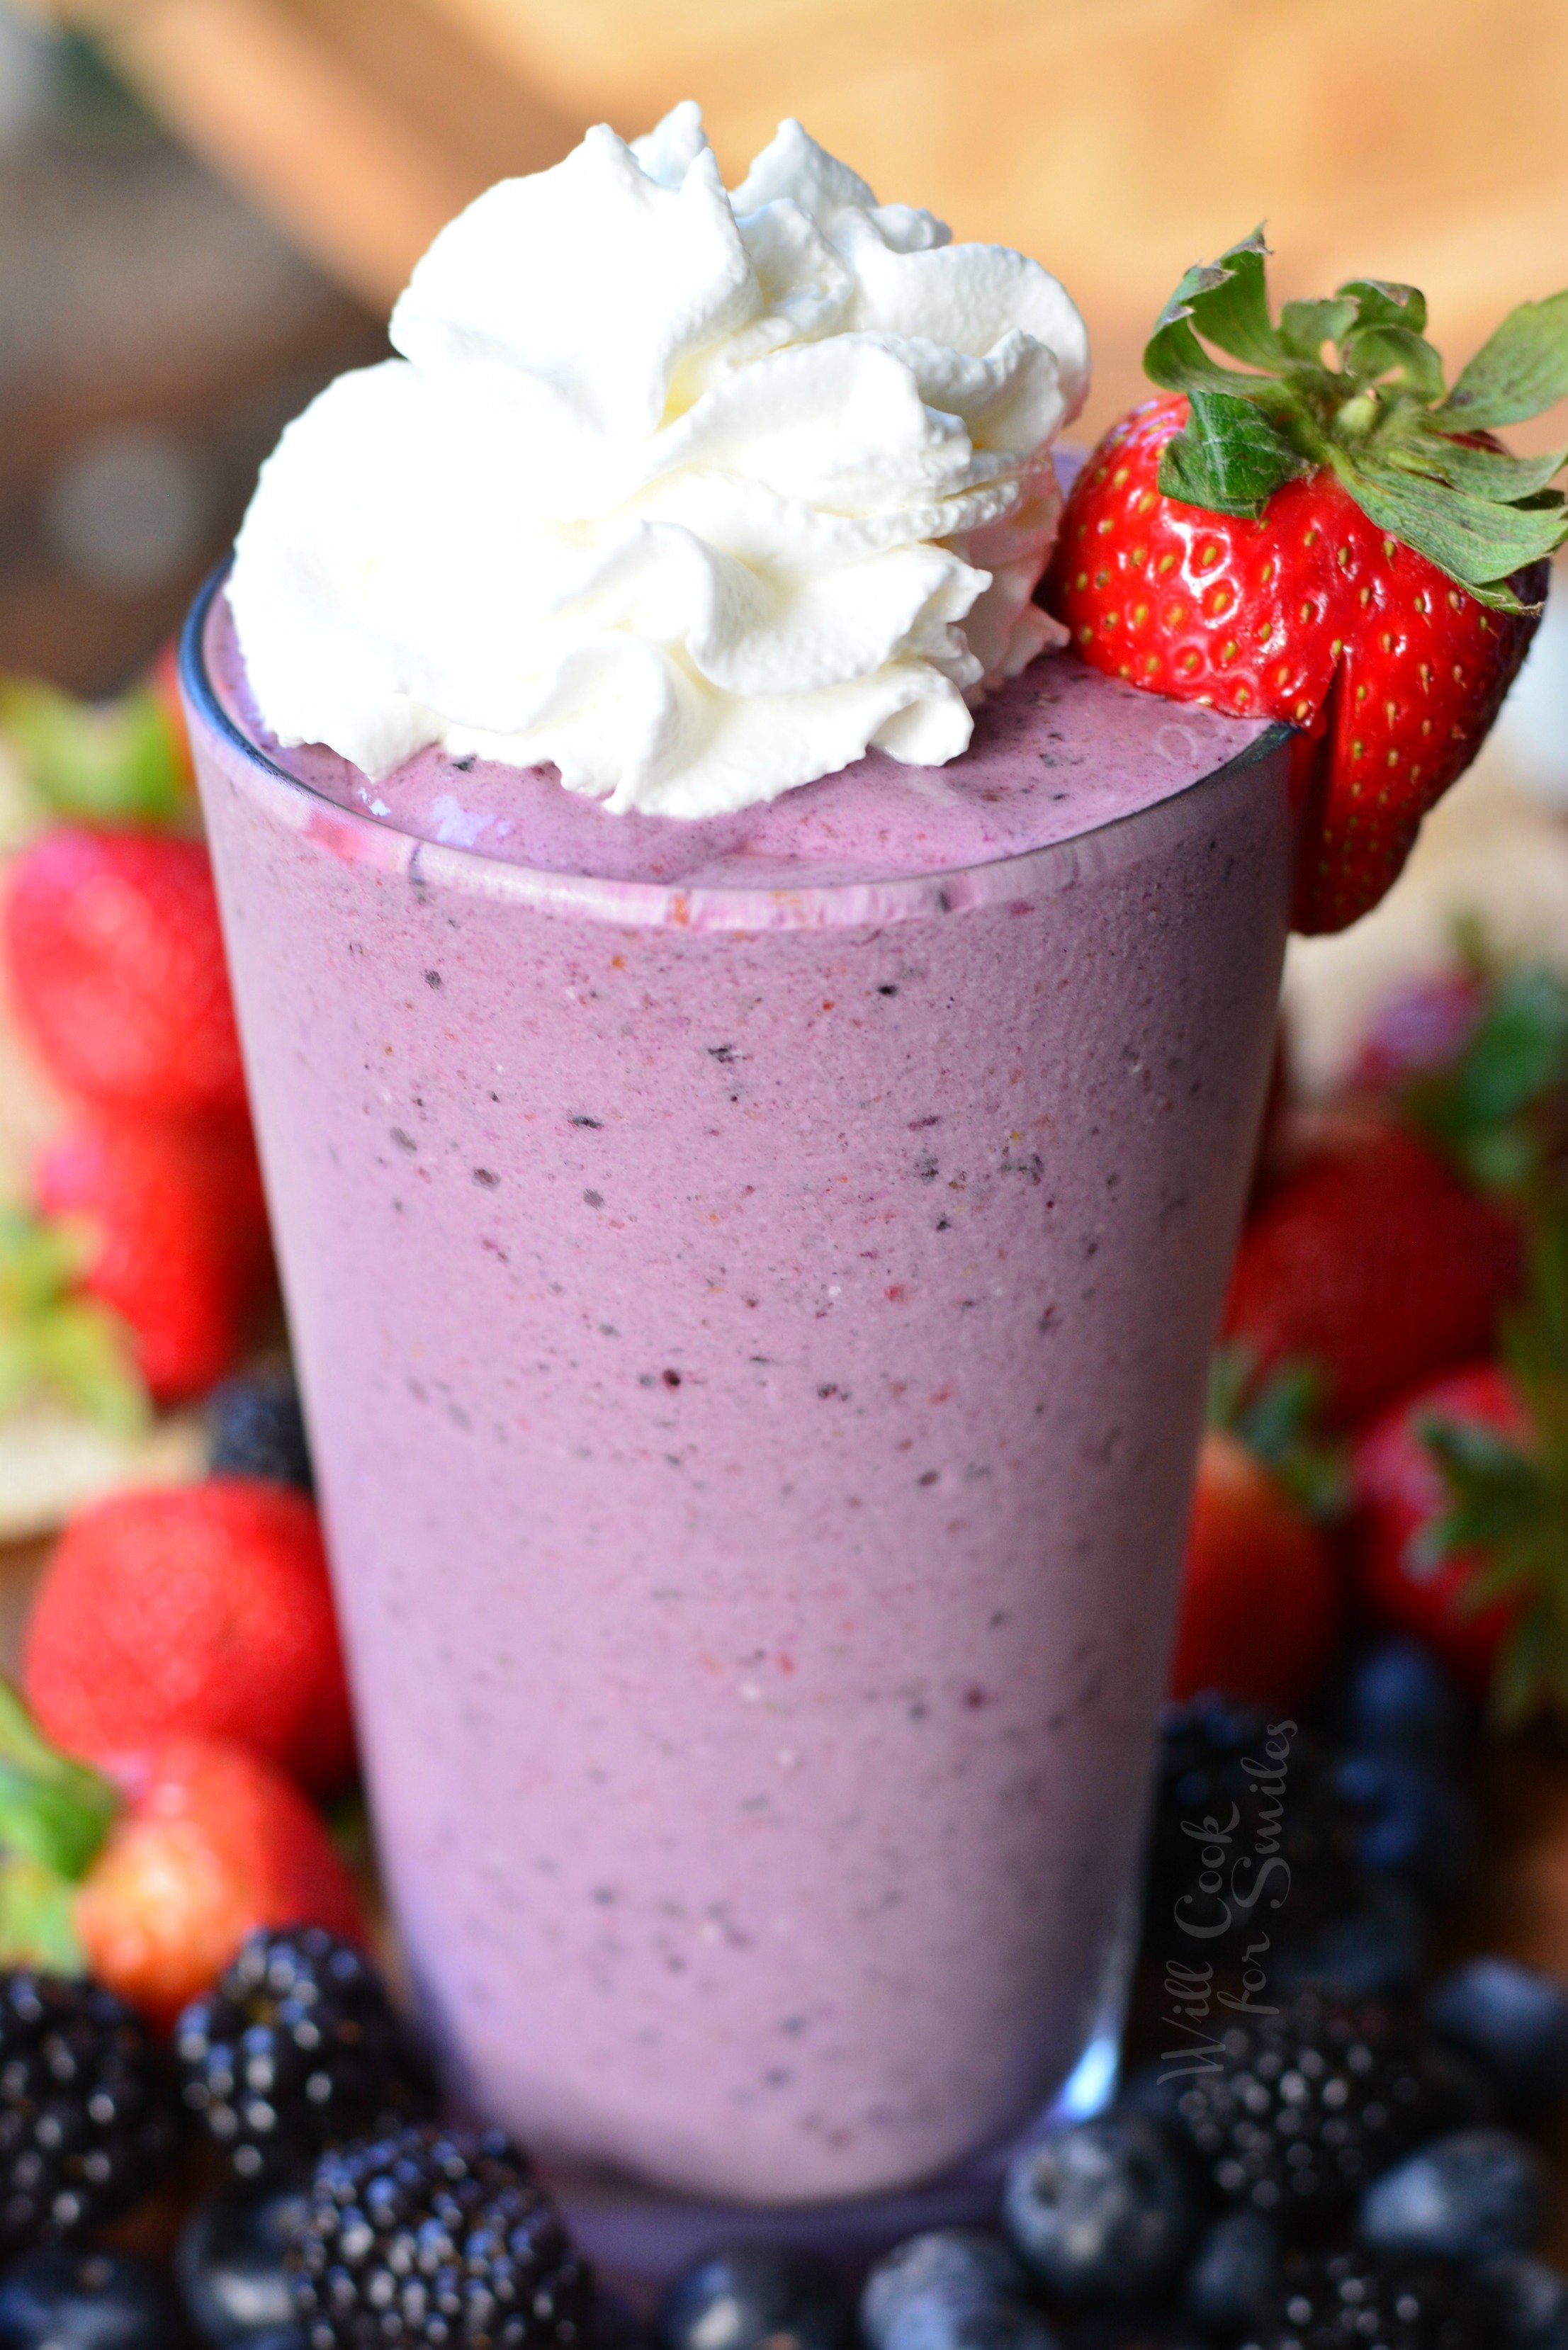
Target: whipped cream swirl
<point>696,495</point>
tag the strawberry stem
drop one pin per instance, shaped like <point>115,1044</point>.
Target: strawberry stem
<point>1382,419</point>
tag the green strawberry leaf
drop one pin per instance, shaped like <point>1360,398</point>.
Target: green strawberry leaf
<point>118,764</point>
<point>37,1926</point>
<point>1522,370</point>
<point>1227,458</point>
<point>1379,302</point>
<point>1507,1499</point>
<point>1228,304</point>
<point>53,1340</point>
<point>1368,353</point>
<point>1477,542</point>
<point>1489,472</point>
<point>1494,1489</point>
<point>1306,326</point>
<point>1275,1415</point>
<point>54,1810</point>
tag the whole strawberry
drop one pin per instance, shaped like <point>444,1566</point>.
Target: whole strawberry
<point>1374,1262</point>
<point>198,1611</point>
<point>1407,1574</point>
<point>1462,1500</point>
<point>150,1881</point>
<point>115,962</point>
<point>1338,546</point>
<point>175,1237</point>
<point>212,1844</point>
<point>1262,1605</point>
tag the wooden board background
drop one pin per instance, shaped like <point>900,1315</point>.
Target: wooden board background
<point>1117,139</point>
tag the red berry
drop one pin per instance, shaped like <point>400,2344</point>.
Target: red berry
<point>1260,1606</point>
<point>203,1611</point>
<point>213,1844</point>
<point>177,1237</point>
<point>116,965</point>
<point>1310,614</point>
<point>1375,1262</point>
<point>1400,1496</point>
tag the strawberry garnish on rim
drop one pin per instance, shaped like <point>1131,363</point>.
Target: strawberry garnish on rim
<point>1343,547</point>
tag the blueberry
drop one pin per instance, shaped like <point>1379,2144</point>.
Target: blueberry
<point>948,2287</point>
<point>1397,1698</point>
<point>258,1429</point>
<point>1531,2301</point>
<point>1513,2022</point>
<point>229,2267</point>
<point>744,2294</point>
<point>1469,2197</point>
<point>1234,2272</point>
<point>1375,1951</point>
<point>1102,2211</point>
<point>61,2300</point>
<point>1415,1823</point>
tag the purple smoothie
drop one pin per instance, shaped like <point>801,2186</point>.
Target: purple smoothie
<point>751,1282</point>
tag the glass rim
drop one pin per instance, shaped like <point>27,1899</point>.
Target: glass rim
<point>746,906</point>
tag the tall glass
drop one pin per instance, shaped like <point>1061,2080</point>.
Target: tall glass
<point>754,1344</point>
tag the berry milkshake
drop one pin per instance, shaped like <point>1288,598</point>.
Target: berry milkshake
<point>756,1063</point>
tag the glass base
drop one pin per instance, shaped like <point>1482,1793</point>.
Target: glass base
<point>638,2238</point>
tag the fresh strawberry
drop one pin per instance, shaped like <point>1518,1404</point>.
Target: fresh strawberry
<point>1261,1598</point>
<point>1374,1262</point>
<point>1406,1576</point>
<point>212,1844</point>
<point>116,965</point>
<point>1463,1499</point>
<point>199,1611</point>
<point>154,1882</point>
<point>1339,547</point>
<point>175,1234</point>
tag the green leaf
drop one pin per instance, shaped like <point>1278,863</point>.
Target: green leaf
<point>1228,457</point>
<point>1369,353</point>
<point>1490,472</point>
<point>37,1925</point>
<point>54,1810</point>
<point>1230,305</point>
<point>1380,302</point>
<point>1306,326</point>
<point>1494,1489</point>
<point>55,1340</point>
<point>1522,370</point>
<point>119,764</point>
<point>1475,541</point>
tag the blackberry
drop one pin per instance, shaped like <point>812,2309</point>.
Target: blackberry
<point>1360,2301</point>
<point>436,2237</point>
<point>294,2047</point>
<point>1270,1790</point>
<point>258,1429</point>
<point>1301,2108</point>
<point>88,2116</point>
